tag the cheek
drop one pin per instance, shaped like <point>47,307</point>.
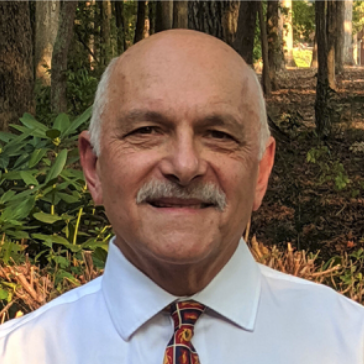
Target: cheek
<point>125,173</point>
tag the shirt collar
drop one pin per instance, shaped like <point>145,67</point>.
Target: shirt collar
<point>133,298</point>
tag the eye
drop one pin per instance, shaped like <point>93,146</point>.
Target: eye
<point>144,130</point>
<point>216,134</point>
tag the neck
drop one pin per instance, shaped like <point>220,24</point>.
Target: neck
<point>179,279</point>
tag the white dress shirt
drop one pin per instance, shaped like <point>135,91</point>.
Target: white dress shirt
<point>255,315</point>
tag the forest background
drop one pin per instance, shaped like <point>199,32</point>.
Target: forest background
<point>308,56</point>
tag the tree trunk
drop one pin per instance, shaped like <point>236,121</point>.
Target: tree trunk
<point>16,60</point>
<point>288,34</point>
<point>152,11</point>
<point>230,16</point>
<point>105,46</point>
<point>275,49</point>
<point>348,33</point>
<point>140,23</point>
<point>46,15</point>
<point>354,48</point>
<point>322,112</point>
<point>244,41</point>
<point>59,58</point>
<point>120,25</point>
<point>314,62</point>
<point>180,14</point>
<point>206,16</point>
<point>91,40</point>
<point>164,15</point>
<point>331,41</point>
<point>266,82</point>
<point>339,45</point>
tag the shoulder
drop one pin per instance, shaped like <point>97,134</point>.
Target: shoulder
<point>304,293</point>
<point>64,302</point>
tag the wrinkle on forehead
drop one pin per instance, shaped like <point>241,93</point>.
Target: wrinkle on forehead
<point>183,51</point>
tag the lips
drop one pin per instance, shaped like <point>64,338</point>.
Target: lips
<point>178,203</point>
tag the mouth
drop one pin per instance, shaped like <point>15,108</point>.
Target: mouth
<point>177,203</point>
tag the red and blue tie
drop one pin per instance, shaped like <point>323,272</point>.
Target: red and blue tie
<point>180,349</point>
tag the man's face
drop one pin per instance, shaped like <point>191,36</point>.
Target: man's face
<point>178,119</point>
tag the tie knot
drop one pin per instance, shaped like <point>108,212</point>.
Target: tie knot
<point>185,314</point>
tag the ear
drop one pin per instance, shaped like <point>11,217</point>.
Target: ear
<point>90,166</point>
<point>265,168</point>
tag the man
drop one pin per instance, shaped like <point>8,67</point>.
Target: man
<point>179,153</point>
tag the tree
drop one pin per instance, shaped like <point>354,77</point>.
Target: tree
<point>244,41</point>
<point>275,46</point>
<point>230,20</point>
<point>266,82</point>
<point>105,33</point>
<point>164,15</point>
<point>322,112</point>
<point>47,14</point>
<point>288,34</point>
<point>180,14</point>
<point>348,33</point>
<point>120,26</point>
<point>140,23</point>
<point>59,57</point>
<point>16,71</point>
<point>339,45</point>
<point>331,41</point>
<point>206,16</point>
<point>314,62</point>
<point>152,16</point>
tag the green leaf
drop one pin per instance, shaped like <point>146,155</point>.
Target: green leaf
<point>30,122</point>
<point>68,198</point>
<point>53,134</point>
<point>19,211</point>
<point>46,218</point>
<point>28,178</point>
<point>100,254</point>
<point>36,157</point>
<point>21,160</point>
<point>58,165</point>
<point>4,161</point>
<point>3,294</point>
<point>33,132</point>
<point>18,234</point>
<point>78,122</point>
<point>46,238</point>
<point>16,143</point>
<point>6,137</point>
<point>62,122</point>
<point>7,196</point>
<point>14,175</point>
<point>65,275</point>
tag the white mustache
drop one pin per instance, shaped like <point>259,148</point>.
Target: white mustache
<point>207,193</point>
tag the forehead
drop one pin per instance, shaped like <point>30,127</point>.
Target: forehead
<point>186,81</point>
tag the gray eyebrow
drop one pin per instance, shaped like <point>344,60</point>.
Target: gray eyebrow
<point>213,119</point>
<point>143,114</point>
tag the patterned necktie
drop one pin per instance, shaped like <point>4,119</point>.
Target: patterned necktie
<point>180,349</point>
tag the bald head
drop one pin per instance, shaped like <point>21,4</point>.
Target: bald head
<point>175,65</point>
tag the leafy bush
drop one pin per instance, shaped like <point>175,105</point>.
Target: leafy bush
<point>44,201</point>
<point>329,170</point>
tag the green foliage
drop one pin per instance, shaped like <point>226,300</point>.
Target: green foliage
<point>358,16</point>
<point>350,277</point>
<point>81,88</point>
<point>302,57</point>
<point>44,200</point>
<point>330,171</point>
<point>303,17</point>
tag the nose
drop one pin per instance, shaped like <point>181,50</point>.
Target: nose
<point>183,162</point>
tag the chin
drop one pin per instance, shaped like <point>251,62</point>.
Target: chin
<point>183,249</point>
